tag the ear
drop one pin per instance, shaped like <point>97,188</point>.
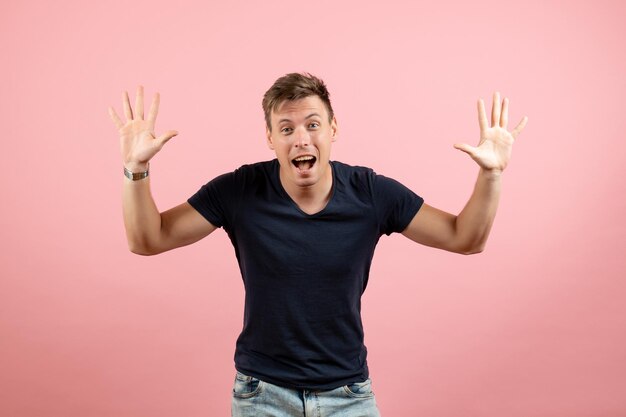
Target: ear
<point>268,134</point>
<point>333,129</point>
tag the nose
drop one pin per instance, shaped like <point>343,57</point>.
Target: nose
<point>302,138</point>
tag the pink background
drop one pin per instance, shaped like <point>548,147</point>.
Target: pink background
<point>533,326</point>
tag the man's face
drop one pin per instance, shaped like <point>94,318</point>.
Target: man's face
<point>301,136</point>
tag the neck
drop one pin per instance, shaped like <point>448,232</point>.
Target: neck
<point>316,194</point>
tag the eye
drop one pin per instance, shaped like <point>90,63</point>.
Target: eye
<point>285,130</point>
<point>314,125</point>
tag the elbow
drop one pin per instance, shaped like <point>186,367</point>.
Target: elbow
<point>471,246</point>
<point>471,250</point>
<point>141,249</point>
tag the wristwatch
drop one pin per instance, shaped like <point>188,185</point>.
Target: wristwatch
<point>134,176</point>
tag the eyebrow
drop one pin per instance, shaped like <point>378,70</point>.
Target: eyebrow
<point>309,116</point>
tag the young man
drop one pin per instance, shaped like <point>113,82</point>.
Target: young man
<point>304,229</point>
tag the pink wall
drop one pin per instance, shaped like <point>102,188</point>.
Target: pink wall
<point>534,326</point>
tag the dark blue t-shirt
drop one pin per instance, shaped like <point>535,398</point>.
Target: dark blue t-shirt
<point>304,274</point>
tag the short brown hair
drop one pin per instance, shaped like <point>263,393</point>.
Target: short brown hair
<point>295,86</point>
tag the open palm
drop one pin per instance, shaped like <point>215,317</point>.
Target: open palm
<point>137,140</point>
<point>496,142</point>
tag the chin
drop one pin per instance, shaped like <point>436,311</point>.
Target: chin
<point>306,182</point>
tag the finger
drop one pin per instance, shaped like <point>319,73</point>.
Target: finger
<point>504,117</point>
<point>139,103</point>
<point>495,110</point>
<point>128,111</point>
<point>482,116</point>
<point>162,140</point>
<point>468,149</point>
<point>154,109</point>
<point>518,129</point>
<point>116,119</point>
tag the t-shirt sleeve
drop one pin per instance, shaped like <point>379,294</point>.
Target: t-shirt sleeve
<point>396,205</point>
<point>215,200</point>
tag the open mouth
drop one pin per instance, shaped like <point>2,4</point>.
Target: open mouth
<point>304,163</point>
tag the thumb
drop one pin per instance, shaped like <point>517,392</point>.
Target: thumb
<point>468,149</point>
<point>165,137</point>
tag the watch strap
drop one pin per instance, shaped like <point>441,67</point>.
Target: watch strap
<point>134,176</point>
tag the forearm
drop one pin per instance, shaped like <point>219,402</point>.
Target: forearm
<point>474,222</point>
<point>142,219</point>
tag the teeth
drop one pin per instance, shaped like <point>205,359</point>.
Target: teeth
<point>304,158</point>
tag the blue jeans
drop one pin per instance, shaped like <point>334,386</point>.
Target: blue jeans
<point>255,398</point>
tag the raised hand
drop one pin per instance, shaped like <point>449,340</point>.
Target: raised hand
<point>496,142</point>
<point>137,140</point>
